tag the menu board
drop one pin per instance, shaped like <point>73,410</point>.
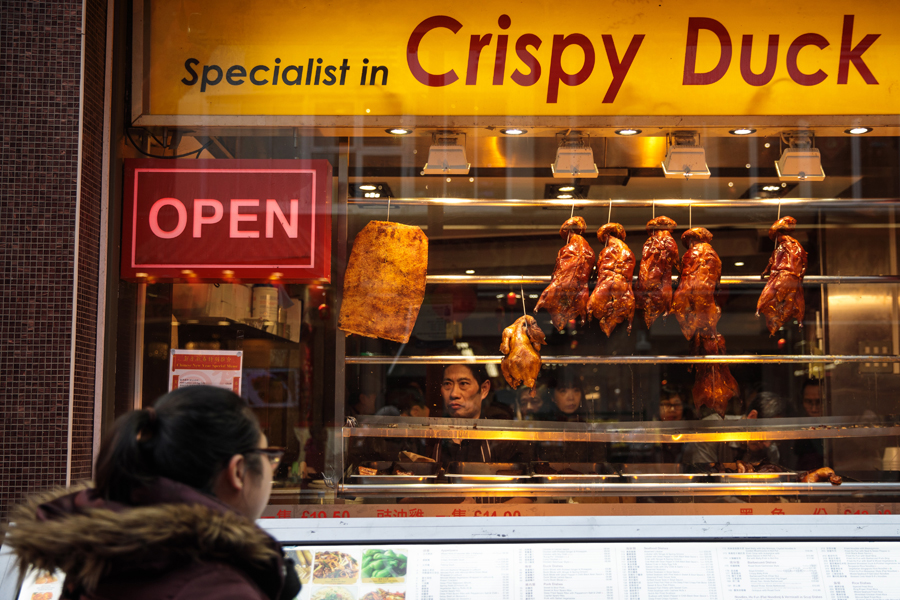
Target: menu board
<point>602,571</point>
<point>41,585</point>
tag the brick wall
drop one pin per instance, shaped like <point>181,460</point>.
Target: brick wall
<point>40,61</point>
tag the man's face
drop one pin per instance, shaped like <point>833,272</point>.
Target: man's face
<point>529,405</point>
<point>461,393</point>
<point>812,403</point>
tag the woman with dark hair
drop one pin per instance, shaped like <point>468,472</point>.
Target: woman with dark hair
<point>566,393</point>
<point>177,489</point>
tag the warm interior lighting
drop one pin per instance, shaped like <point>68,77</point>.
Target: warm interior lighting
<point>566,188</point>
<point>739,264</point>
<point>628,131</point>
<point>513,131</point>
<point>368,187</point>
<point>742,131</point>
<point>858,130</point>
<point>446,157</point>
<point>399,131</point>
<point>685,157</point>
<point>574,158</point>
<point>564,196</point>
<point>800,161</point>
<point>470,271</point>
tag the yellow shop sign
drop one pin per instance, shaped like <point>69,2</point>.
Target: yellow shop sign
<point>227,57</point>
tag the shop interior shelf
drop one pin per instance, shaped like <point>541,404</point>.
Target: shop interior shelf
<point>634,360</point>
<point>212,327</point>
<point>641,432</point>
<point>500,490</point>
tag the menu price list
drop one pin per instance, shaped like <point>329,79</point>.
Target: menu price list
<point>661,571</point>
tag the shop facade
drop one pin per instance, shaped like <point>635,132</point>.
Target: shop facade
<point>243,150</point>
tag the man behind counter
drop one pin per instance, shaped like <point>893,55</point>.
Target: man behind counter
<point>464,388</point>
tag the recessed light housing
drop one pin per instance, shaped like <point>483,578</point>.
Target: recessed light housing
<point>513,131</point>
<point>628,131</point>
<point>564,196</point>
<point>399,131</point>
<point>742,131</point>
<point>566,188</point>
<point>368,187</point>
<point>858,130</point>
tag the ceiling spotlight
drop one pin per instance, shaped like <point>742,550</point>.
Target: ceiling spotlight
<point>800,161</point>
<point>739,264</point>
<point>513,131</point>
<point>470,271</point>
<point>685,157</point>
<point>367,187</point>
<point>399,131</point>
<point>742,131</point>
<point>564,196</point>
<point>771,188</point>
<point>566,188</point>
<point>858,130</point>
<point>446,157</point>
<point>627,131</point>
<point>574,158</point>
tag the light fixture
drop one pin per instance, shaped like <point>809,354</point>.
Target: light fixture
<point>574,158</point>
<point>771,188</point>
<point>685,157</point>
<point>371,190</point>
<point>513,131</point>
<point>446,157</point>
<point>368,187</point>
<point>566,188</point>
<point>800,161</point>
<point>739,264</point>
<point>628,131</point>
<point>742,131</point>
<point>564,196</point>
<point>858,130</point>
<point>399,131</point>
<point>470,271</point>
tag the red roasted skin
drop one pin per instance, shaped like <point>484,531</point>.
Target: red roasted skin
<point>714,385</point>
<point>694,301</point>
<point>612,300</point>
<point>567,295</point>
<point>521,345</point>
<point>659,257</point>
<point>782,298</point>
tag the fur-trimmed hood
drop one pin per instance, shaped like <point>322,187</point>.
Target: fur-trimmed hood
<point>169,525</point>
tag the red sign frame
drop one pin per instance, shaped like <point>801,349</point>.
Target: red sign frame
<point>227,220</point>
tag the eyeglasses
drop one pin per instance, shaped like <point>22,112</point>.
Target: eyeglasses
<point>273,454</point>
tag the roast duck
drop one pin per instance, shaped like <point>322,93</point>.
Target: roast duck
<point>694,302</point>
<point>521,345</point>
<point>823,474</point>
<point>714,385</point>
<point>612,300</point>
<point>782,298</point>
<point>659,257</point>
<point>567,295</point>
<point>694,305</point>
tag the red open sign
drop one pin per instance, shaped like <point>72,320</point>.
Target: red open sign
<point>220,220</point>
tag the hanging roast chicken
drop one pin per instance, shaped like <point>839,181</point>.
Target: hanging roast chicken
<point>521,345</point>
<point>659,257</point>
<point>782,298</point>
<point>694,301</point>
<point>612,300</point>
<point>567,295</point>
<point>714,385</point>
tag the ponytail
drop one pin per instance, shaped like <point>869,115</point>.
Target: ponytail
<point>189,435</point>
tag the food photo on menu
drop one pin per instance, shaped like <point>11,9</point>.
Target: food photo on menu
<point>384,593</point>
<point>335,567</point>
<point>333,593</point>
<point>380,565</point>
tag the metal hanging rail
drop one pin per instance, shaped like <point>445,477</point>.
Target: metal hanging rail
<point>726,279</point>
<point>627,203</point>
<point>632,360</point>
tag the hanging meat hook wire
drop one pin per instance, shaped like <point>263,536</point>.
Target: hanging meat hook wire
<point>522,289</point>
<point>389,209</point>
<point>609,216</point>
<point>779,210</point>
